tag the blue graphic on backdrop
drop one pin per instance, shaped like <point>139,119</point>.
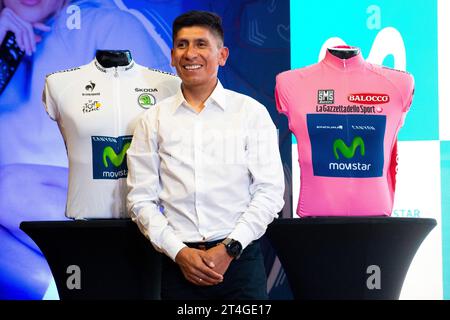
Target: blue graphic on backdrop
<point>347,145</point>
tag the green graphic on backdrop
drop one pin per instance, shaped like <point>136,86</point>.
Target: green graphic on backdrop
<point>348,152</point>
<point>401,34</point>
<point>116,159</point>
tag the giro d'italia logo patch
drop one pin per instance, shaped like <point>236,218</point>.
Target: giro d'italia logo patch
<point>146,100</point>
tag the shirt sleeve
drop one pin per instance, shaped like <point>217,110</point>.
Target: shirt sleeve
<point>144,186</point>
<point>267,178</point>
<point>49,101</point>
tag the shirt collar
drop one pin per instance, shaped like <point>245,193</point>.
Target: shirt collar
<point>217,97</point>
<point>112,70</point>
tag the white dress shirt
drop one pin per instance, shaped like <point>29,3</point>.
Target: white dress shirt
<point>204,176</point>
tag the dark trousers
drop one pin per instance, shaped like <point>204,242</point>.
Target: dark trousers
<point>245,279</point>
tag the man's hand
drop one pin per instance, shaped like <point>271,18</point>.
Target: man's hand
<point>25,37</point>
<point>197,267</point>
<point>221,259</point>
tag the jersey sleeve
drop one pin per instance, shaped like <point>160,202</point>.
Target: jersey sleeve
<point>281,96</point>
<point>409,92</point>
<point>49,101</point>
<point>404,82</point>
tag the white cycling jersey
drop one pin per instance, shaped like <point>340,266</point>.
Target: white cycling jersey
<point>96,109</point>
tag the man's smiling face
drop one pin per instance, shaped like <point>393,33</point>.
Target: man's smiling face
<point>197,54</point>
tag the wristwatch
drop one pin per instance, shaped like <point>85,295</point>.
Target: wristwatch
<point>234,247</point>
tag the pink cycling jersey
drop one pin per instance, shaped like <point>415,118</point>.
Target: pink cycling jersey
<point>345,114</point>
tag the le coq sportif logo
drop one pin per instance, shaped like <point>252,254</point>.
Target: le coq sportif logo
<point>90,86</point>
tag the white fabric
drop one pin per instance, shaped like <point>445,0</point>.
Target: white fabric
<point>204,176</point>
<point>96,110</point>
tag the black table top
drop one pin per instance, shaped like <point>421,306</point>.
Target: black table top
<point>120,223</point>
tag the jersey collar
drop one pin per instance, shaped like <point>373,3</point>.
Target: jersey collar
<point>344,64</point>
<point>114,70</point>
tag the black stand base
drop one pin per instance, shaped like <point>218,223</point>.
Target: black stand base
<point>115,260</point>
<point>347,258</point>
<point>324,258</point>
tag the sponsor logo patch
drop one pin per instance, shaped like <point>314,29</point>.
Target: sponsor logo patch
<point>109,157</point>
<point>91,105</point>
<point>146,100</point>
<point>347,145</point>
<point>89,88</point>
<point>325,96</point>
<point>368,98</point>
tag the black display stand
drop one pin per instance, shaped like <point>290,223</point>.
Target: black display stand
<point>115,260</point>
<point>330,258</point>
<point>324,258</point>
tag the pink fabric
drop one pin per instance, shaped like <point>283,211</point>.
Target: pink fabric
<point>345,114</point>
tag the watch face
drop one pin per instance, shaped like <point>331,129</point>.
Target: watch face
<point>235,248</point>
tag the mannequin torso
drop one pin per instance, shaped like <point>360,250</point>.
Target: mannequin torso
<point>345,104</point>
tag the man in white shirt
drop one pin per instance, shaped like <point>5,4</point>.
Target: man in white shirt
<point>205,175</point>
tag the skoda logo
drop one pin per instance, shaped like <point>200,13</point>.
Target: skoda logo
<point>146,100</point>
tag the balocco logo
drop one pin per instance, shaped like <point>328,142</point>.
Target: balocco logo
<point>368,98</point>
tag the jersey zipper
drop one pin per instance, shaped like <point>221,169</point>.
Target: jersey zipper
<point>117,101</point>
<point>117,115</point>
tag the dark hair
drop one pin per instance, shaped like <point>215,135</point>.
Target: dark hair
<point>193,18</point>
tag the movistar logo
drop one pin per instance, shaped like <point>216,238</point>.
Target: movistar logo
<point>116,159</point>
<point>348,152</point>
